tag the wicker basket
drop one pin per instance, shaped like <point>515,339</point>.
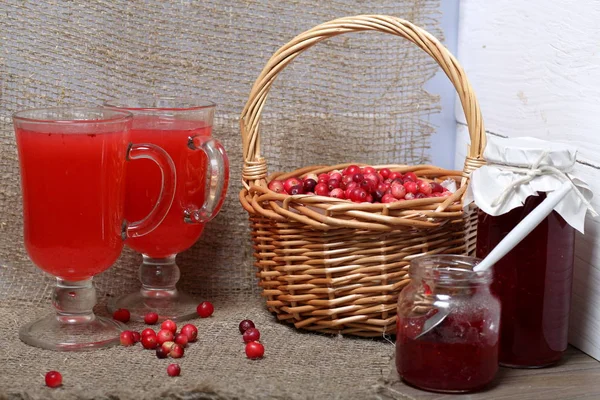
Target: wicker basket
<point>331,265</point>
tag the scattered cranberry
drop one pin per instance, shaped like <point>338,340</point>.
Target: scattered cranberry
<point>181,339</point>
<point>173,370</point>
<point>190,331</point>
<point>164,335</point>
<point>169,325</point>
<point>398,191</point>
<point>276,186</point>
<point>176,351</point>
<point>151,318</point>
<point>53,379</point>
<point>245,325</point>
<point>127,338</point>
<point>122,314</point>
<point>136,337</point>
<point>251,335</point>
<point>167,346</point>
<point>254,350</point>
<point>160,352</point>
<point>147,332</point>
<point>205,309</point>
<point>149,342</point>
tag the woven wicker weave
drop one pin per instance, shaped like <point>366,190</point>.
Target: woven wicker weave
<point>331,265</point>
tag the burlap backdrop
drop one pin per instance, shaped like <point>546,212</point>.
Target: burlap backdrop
<point>356,97</point>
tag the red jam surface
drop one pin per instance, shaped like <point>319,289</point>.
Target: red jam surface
<point>459,355</point>
<point>533,283</point>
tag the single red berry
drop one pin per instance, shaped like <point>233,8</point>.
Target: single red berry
<point>181,339</point>
<point>374,178</point>
<point>136,337</point>
<point>190,331</point>
<point>167,346</point>
<point>385,173</point>
<point>352,170</point>
<point>127,339</point>
<point>398,191</point>
<point>358,178</point>
<point>369,198</point>
<point>333,184</point>
<point>297,189</point>
<point>335,175</point>
<point>346,180</point>
<point>254,350</point>
<point>409,196</point>
<point>383,187</point>
<point>164,335</point>
<point>411,176</point>
<point>425,188</point>
<point>147,332</point>
<point>323,178</point>
<point>122,314</point>
<point>420,195</point>
<point>358,195</point>
<point>149,342</point>
<point>321,189</point>
<point>388,198</point>
<point>368,170</point>
<point>377,195</point>
<point>205,309</point>
<point>337,193</point>
<point>276,186</point>
<point>436,187</point>
<point>169,325</point>
<point>309,185</point>
<point>291,182</point>
<point>245,325</point>
<point>53,379</point>
<point>176,351</point>
<point>395,175</point>
<point>411,187</point>
<point>151,318</point>
<point>173,370</point>
<point>161,353</point>
<point>251,335</point>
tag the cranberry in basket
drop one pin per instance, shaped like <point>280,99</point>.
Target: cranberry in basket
<point>460,354</point>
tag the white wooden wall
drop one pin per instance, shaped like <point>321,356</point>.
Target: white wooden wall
<point>535,66</point>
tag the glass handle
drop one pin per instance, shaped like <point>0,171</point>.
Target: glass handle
<point>167,189</point>
<point>217,178</point>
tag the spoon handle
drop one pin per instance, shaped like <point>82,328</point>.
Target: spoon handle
<point>524,227</point>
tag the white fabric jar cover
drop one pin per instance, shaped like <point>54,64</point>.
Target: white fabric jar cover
<point>521,167</point>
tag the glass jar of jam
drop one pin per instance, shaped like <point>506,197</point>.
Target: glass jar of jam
<point>460,354</point>
<point>533,282</point>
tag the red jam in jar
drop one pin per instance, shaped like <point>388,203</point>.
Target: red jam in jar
<point>533,283</point>
<point>461,353</point>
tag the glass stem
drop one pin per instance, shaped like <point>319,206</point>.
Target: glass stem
<point>159,275</point>
<point>74,301</point>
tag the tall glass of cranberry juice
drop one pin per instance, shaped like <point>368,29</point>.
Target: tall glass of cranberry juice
<point>183,127</point>
<point>72,163</point>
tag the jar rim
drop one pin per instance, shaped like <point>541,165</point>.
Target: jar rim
<point>449,269</point>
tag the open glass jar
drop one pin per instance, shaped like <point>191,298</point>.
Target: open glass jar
<point>460,354</point>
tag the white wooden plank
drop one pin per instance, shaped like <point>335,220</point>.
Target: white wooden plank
<point>535,68</point>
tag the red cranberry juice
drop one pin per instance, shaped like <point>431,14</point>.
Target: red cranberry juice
<point>460,355</point>
<point>173,235</point>
<point>73,195</point>
<point>533,283</point>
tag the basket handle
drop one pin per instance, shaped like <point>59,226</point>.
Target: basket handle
<point>255,166</point>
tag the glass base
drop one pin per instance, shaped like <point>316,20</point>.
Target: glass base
<point>74,334</point>
<point>168,304</point>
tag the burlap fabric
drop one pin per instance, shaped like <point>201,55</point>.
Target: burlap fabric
<point>356,97</point>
